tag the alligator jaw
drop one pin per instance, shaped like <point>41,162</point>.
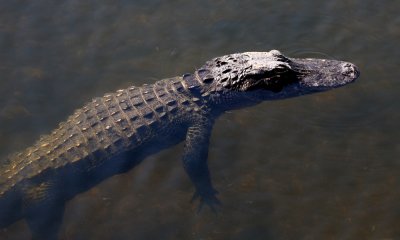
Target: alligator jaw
<point>321,74</point>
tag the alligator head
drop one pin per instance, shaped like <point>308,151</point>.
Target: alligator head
<point>259,76</point>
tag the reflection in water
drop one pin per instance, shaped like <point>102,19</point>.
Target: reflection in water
<point>315,167</point>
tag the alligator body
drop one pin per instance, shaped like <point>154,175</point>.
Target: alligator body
<point>113,133</point>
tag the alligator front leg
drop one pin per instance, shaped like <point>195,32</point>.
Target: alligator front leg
<point>195,162</point>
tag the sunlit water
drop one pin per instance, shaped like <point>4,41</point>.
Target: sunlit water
<point>323,166</point>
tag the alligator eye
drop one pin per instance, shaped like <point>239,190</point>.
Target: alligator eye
<point>280,69</point>
<point>282,58</point>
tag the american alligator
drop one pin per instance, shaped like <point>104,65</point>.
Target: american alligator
<point>113,133</point>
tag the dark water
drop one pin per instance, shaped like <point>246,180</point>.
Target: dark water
<point>323,166</point>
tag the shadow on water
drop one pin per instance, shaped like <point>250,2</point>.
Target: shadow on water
<point>316,167</point>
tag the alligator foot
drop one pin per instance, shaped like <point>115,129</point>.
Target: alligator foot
<point>210,199</point>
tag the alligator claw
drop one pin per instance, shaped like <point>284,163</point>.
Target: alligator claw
<point>209,199</point>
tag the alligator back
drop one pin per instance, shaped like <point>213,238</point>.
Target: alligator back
<point>104,128</point>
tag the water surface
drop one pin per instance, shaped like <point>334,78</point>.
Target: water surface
<point>322,166</point>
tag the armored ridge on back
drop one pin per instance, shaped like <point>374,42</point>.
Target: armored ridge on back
<point>114,133</point>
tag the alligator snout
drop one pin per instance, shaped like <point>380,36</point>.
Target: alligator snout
<point>350,70</point>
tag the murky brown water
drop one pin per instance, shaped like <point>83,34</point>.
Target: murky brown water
<point>323,166</point>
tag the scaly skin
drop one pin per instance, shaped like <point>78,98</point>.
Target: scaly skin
<point>114,133</point>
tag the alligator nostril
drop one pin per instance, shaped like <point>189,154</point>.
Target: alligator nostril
<point>350,70</point>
